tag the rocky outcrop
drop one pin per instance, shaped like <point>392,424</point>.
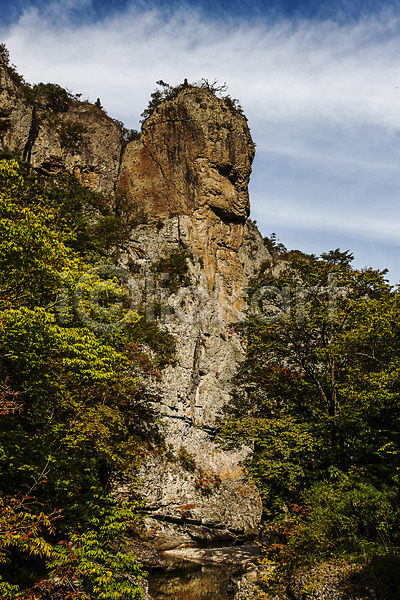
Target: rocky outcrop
<point>55,132</point>
<point>186,180</point>
<point>193,160</point>
<point>246,555</point>
<point>82,140</point>
<point>194,153</point>
<point>15,112</point>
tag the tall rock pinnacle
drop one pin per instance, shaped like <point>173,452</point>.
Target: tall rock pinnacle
<point>193,160</point>
<point>195,153</point>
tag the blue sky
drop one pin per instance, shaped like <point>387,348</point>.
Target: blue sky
<point>319,82</point>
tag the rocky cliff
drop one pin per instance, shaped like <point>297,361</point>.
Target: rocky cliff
<point>193,161</point>
<point>187,178</point>
<point>185,186</point>
<point>56,132</point>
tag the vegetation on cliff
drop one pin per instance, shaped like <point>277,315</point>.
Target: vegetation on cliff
<point>318,397</point>
<point>165,91</point>
<point>74,417</point>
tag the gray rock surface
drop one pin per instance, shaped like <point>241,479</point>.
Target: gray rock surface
<point>246,556</point>
<point>216,495</point>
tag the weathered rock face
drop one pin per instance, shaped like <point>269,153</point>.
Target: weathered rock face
<point>212,498</point>
<point>15,113</point>
<point>194,152</point>
<point>187,178</point>
<point>56,134</point>
<point>194,159</point>
<point>82,140</point>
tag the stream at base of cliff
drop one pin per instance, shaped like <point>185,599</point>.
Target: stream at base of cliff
<point>197,582</point>
<point>202,573</point>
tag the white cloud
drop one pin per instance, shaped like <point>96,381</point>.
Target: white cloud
<point>323,100</point>
<point>313,71</point>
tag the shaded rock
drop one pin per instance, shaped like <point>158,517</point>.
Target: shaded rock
<point>174,534</point>
<point>245,556</point>
<point>146,554</point>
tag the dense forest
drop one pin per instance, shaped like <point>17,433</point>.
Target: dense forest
<point>74,414</point>
<point>318,400</point>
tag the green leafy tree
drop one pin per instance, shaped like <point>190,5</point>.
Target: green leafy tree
<point>73,415</point>
<point>318,399</point>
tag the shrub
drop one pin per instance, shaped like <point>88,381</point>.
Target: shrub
<point>176,266</point>
<point>71,135</point>
<point>273,245</point>
<point>129,135</point>
<point>348,515</point>
<point>169,92</point>
<point>160,341</point>
<point>4,54</point>
<point>57,98</point>
<point>187,460</point>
